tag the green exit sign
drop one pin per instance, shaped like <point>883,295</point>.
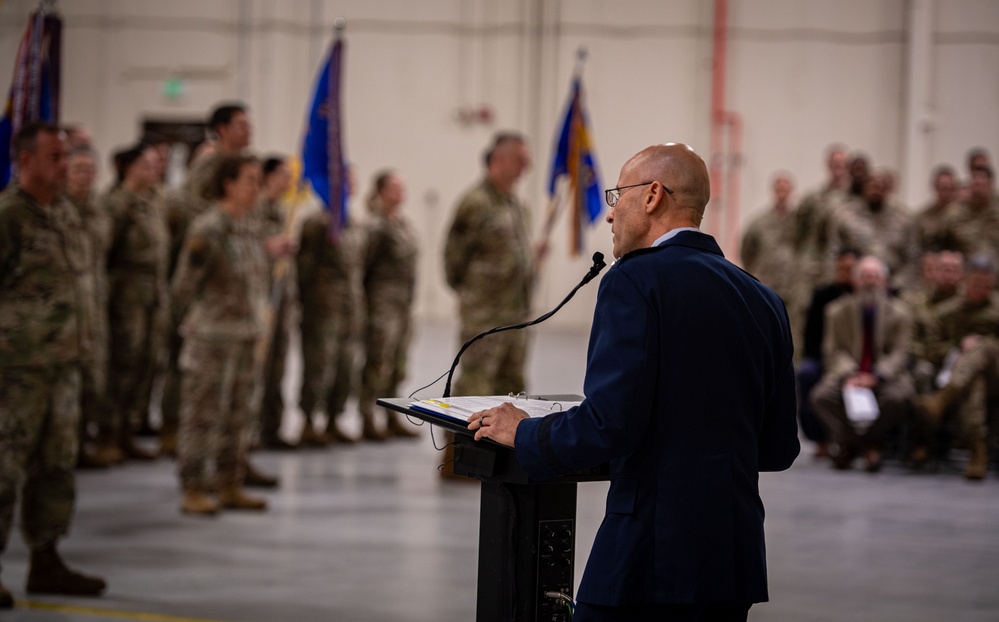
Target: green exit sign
<point>173,87</point>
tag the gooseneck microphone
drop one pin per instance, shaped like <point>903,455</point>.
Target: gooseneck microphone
<point>598,265</point>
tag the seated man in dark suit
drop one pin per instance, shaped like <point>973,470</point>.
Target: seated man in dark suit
<point>689,395</point>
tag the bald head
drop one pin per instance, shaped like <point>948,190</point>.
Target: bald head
<point>671,190</point>
<point>680,169</point>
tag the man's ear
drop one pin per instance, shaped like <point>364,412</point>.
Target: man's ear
<point>654,197</point>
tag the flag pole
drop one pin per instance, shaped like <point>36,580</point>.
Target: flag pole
<point>556,205</point>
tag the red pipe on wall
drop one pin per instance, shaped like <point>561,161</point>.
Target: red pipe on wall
<point>718,67</point>
<point>726,146</point>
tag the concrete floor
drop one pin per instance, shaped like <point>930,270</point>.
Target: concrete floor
<point>370,533</point>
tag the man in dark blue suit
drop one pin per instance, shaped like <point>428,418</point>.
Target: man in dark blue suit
<point>689,395</point>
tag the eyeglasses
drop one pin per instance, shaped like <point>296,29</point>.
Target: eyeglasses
<point>613,195</point>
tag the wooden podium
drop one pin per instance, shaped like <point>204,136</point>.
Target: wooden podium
<point>527,528</point>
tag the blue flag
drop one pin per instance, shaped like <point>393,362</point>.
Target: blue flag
<point>34,89</point>
<point>323,164</point>
<point>574,158</point>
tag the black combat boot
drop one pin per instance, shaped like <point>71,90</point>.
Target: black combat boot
<point>47,574</point>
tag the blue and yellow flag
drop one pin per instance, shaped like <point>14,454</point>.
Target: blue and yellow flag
<point>323,164</point>
<point>34,89</point>
<point>574,158</point>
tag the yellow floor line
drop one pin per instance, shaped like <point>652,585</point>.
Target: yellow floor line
<point>106,613</point>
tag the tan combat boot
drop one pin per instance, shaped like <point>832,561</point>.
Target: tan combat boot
<point>255,478</point>
<point>198,503</point>
<point>312,438</point>
<point>978,465</point>
<point>168,442</point>
<point>935,404</point>
<point>370,431</point>
<point>106,448</point>
<point>235,499</point>
<point>47,574</point>
<point>334,434</point>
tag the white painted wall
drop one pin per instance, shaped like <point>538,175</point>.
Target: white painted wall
<point>801,73</point>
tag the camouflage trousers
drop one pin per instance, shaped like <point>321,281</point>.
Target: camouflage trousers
<point>386,344</point>
<point>39,426</point>
<point>272,402</point>
<point>493,365</point>
<point>328,347</point>
<point>170,399</point>
<point>94,406</point>
<point>975,376</point>
<point>135,350</point>
<point>216,385</point>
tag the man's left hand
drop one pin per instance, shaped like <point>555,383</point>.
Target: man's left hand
<point>499,423</point>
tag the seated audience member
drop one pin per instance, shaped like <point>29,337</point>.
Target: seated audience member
<point>929,350</point>
<point>968,326</point>
<point>866,345</point>
<point>810,368</point>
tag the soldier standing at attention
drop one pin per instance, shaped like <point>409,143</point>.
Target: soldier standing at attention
<point>489,264</point>
<point>326,292</point>
<point>219,296</point>
<point>389,279</point>
<point>81,167</point>
<point>137,299</point>
<point>767,250</point>
<point>271,216</point>
<point>46,333</point>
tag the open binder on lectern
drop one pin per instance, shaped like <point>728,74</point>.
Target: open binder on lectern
<point>459,409</point>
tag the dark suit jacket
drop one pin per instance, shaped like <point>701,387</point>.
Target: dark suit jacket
<point>689,394</point>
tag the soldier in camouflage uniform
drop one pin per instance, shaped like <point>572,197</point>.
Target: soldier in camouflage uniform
<point>812,234</point>
<point>46,333</point>
<point>968,325</point>
<point>219,297</point>
<point>878,227</point>
<point>975,221</point>
<point>271,221</point>
<point>325,273</point>
<point>94,407</point>
<point>389,277</point>
<point>932,228</point>
<point>137,286</point>
<point>489,263</point>
<point>767,250</point>
<point>231,127</point>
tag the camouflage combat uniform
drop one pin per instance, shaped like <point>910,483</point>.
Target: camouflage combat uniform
<point>327,295</point>
<point>812,230</point>
<point>933,229</point>
<point>389,285</point>
<point>47,316</point>
<point>181,207</point>
<point>975,374</point>
<point>976,229</point>
<point>888,234</point>
<point>219,297</point>
<point>269,220</point>
<point>767,252</point>
<point>94,404</point>
<point>488,263</point>
<point>137,302</point>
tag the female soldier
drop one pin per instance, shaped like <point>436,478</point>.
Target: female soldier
<point>389,279</point>
<point>137,297</point>
<point>219,300</point>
